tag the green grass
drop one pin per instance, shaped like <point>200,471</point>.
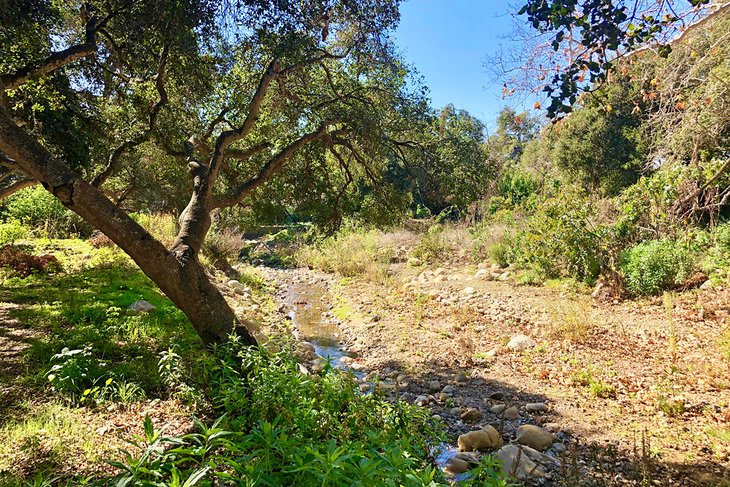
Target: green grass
<point>88,306</point>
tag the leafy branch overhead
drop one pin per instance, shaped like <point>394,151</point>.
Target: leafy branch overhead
<point>590,35</point>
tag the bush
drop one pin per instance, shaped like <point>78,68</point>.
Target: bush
<point>656,265</point>
<point>350,253</point>
<point>36,208</point>
<point>12,231</point>
<point>431,247</point>
<point>282,427</point>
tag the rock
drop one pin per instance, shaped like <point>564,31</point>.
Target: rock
<point>468,456</point>
<point>434,386</point>
<point>443,397</point>
<point>482,274</point>
<point>536,407</point>
<point>511,414</point>
<point>414,262</point>
<point>521,342</point>
<point>483,265</point>
<point>422,401</point>
<point>142,306</point>
<point>497,396</point>
<point>552,427</point>
<point>303,370</point>
<point>522,462</point>
<point>471,415</point>
<point>237,287</point>
<point>534,437</point>
<point>456,412</point>
<point>456,466</point>
<point>468,291</point>
<point>498,409</point>
<point>450,390</point>
<point>440,272</point>
<point>504,276</point>
<point>484,439</point>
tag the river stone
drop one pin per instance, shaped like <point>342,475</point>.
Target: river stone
<point>520,462</point>
<point>456,412</point>
<point>450,390</point>
<point>486,438</point>
<point>498,409</point>
<point>456,466</point>
<point>511,413</point>
<point>482,274</point>
<point>422,401</point>
<point>468,456</point>
<point>536,407</point>
<point>142,306</point>
<point>237,287</point>
<point>521,342</point>
<point>434,386</point>
<point>471,415</point>
<point>534,437</point>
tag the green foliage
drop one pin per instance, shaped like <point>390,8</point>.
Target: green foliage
<point>38,209</point>
<point>351,252</point>
<point>594,384</point>
<point>76,373</point>
<point>431,247</point>
<point>281,427</point>
<point>656,265</point>
<point>12,231</point>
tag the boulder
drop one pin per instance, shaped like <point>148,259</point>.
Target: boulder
<point>534,437</point>
<point>484,439</point>
<point>523,462</point>
<point>511,413</point>
<point>471,415</point>
<point>519,343</point>
<point>142,306</point>
<point>456,466</point>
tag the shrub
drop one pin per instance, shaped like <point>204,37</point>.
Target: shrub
<point>431,247</point>
<point>656,265</point>
<point>12,231</point>
<point>37,208</point>
<point>75,373</point>
<point>350,253</point>
<point>500,253</point>
<point>282,427</point>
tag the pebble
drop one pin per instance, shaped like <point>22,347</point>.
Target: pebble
<point>511,413</point>
<point>536,407</point>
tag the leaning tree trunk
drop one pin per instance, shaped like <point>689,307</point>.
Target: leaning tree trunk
<point>178,273</point>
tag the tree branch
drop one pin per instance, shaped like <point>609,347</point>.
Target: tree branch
<point>270,168</point>
<point>15,187</point>
<point>116,155</point>
<point>57,59</point>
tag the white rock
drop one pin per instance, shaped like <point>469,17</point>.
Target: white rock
<point>142,306</point>
<point>521,342</point>
<point>237,287</point>
<point>482,274</point>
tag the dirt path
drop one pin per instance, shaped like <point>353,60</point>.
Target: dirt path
<point>643,388</point>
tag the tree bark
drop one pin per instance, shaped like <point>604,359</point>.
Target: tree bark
<point>178,273</point>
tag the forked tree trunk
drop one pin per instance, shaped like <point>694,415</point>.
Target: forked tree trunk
<point>178,273</point>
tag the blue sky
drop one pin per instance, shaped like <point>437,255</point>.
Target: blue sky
<point>447,41</point>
